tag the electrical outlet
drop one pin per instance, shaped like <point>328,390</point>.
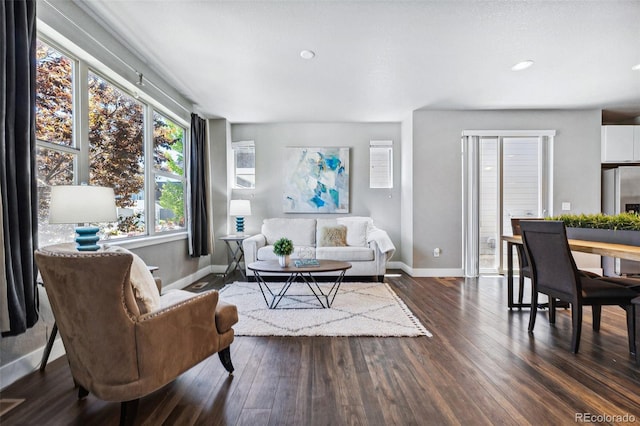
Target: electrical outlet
<point>566,206</point>
<point>436,252</point>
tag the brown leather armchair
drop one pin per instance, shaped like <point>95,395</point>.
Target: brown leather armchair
<point>115,351</point>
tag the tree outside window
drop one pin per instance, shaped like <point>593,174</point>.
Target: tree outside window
<point>114,146</point>
<point>56,152</point>
<point>116,152</point>
<point>168,159</point>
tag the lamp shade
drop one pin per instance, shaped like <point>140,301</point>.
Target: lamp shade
<point>240,208</point>
<point>82,204</point>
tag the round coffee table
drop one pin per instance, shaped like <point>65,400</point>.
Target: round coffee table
<point>305,273</point>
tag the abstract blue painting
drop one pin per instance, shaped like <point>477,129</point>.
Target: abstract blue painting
<point>316,180</point>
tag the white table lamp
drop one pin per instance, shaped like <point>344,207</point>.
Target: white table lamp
<point>240,209</point>
<point>83,204</point>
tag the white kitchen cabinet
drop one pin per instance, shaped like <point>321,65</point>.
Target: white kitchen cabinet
<point>620,144</point>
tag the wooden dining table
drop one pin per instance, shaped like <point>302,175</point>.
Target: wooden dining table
<point>622,251</point>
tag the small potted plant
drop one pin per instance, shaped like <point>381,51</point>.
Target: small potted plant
<point>283,249</point>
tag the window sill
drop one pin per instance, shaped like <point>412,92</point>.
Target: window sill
<point>146,241</point>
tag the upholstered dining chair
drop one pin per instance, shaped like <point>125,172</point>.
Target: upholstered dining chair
<point>123,340</point>
<point>555,274</point>
<point>523,264</point>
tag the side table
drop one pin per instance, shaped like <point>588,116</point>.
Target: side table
<point>235,251</point>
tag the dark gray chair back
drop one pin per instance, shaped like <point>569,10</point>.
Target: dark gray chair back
<point>547,249</point>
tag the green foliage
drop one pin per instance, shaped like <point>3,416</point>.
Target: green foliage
<point>168,140</point>
<point>622,221</point>
<point>116,147</point>
<point>172,198</point>
<point>116,142</point>
<point>283,247</point>
<point>128,224</point>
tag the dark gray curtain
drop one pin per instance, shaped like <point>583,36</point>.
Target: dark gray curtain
<point>199,232</point>
<point>18,160</point>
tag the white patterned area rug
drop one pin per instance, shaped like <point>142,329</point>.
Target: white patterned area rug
<point>359,309</point>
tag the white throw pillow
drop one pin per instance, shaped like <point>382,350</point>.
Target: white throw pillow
<point>356,231</point>
<point>142,282</point>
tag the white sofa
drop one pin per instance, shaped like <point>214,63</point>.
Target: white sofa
<point>367,248</point>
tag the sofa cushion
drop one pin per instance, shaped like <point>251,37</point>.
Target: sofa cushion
<point>301,232</point>
<point>266,252</point>
<point>367,219</point>
<point>333,236</point>
<point>356,230</point>
<point>144,285</point>
<point>345,254</point>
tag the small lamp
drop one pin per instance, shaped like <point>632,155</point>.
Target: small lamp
<point>240,209</point>
<point>83,204</point>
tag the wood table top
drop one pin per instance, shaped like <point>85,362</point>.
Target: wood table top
<point>274,266</point>
<point>622,251</point>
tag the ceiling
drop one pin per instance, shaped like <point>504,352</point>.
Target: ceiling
<point>380,60</point>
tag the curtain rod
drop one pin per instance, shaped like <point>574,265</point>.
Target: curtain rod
<point>138,73</point>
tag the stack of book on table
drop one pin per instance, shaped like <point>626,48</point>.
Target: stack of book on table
<point>306,262</point>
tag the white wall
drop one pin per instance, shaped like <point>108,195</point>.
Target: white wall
<point>270,141</point>
<point>219,137</point>
<point>437,171</point>
<point>406,193</point>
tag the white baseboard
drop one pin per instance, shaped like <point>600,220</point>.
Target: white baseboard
<point>15,370</point>
<point>396,265</point>
<point>218,269</point>
<point>428,272</point>
<point>189,279</point>
<point>438,272</point>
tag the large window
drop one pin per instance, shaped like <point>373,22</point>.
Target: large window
<point>112,151</point>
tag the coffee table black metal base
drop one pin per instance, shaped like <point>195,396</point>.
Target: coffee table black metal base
<point>299,275</point>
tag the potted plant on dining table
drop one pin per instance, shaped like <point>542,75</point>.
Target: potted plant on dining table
<point>620,228</point>
<point>283,249</point>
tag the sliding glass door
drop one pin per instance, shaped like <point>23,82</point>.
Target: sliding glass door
<point>506,176</point>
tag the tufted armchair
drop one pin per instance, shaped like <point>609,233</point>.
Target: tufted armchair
<point>115,349</point>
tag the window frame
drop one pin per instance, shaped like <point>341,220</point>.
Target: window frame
<point>380,158</point>
<point>236,147</point>
<point>158,172</point>
<point>83,63</point>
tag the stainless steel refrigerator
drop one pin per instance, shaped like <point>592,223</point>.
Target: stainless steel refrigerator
<point>620,193</point>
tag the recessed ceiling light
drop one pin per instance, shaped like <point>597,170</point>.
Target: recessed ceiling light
<point>636,67</point>
<point>522,65</point>
<point>307,54</point>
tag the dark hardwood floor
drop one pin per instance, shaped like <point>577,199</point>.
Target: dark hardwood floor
<point>480,367</point>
